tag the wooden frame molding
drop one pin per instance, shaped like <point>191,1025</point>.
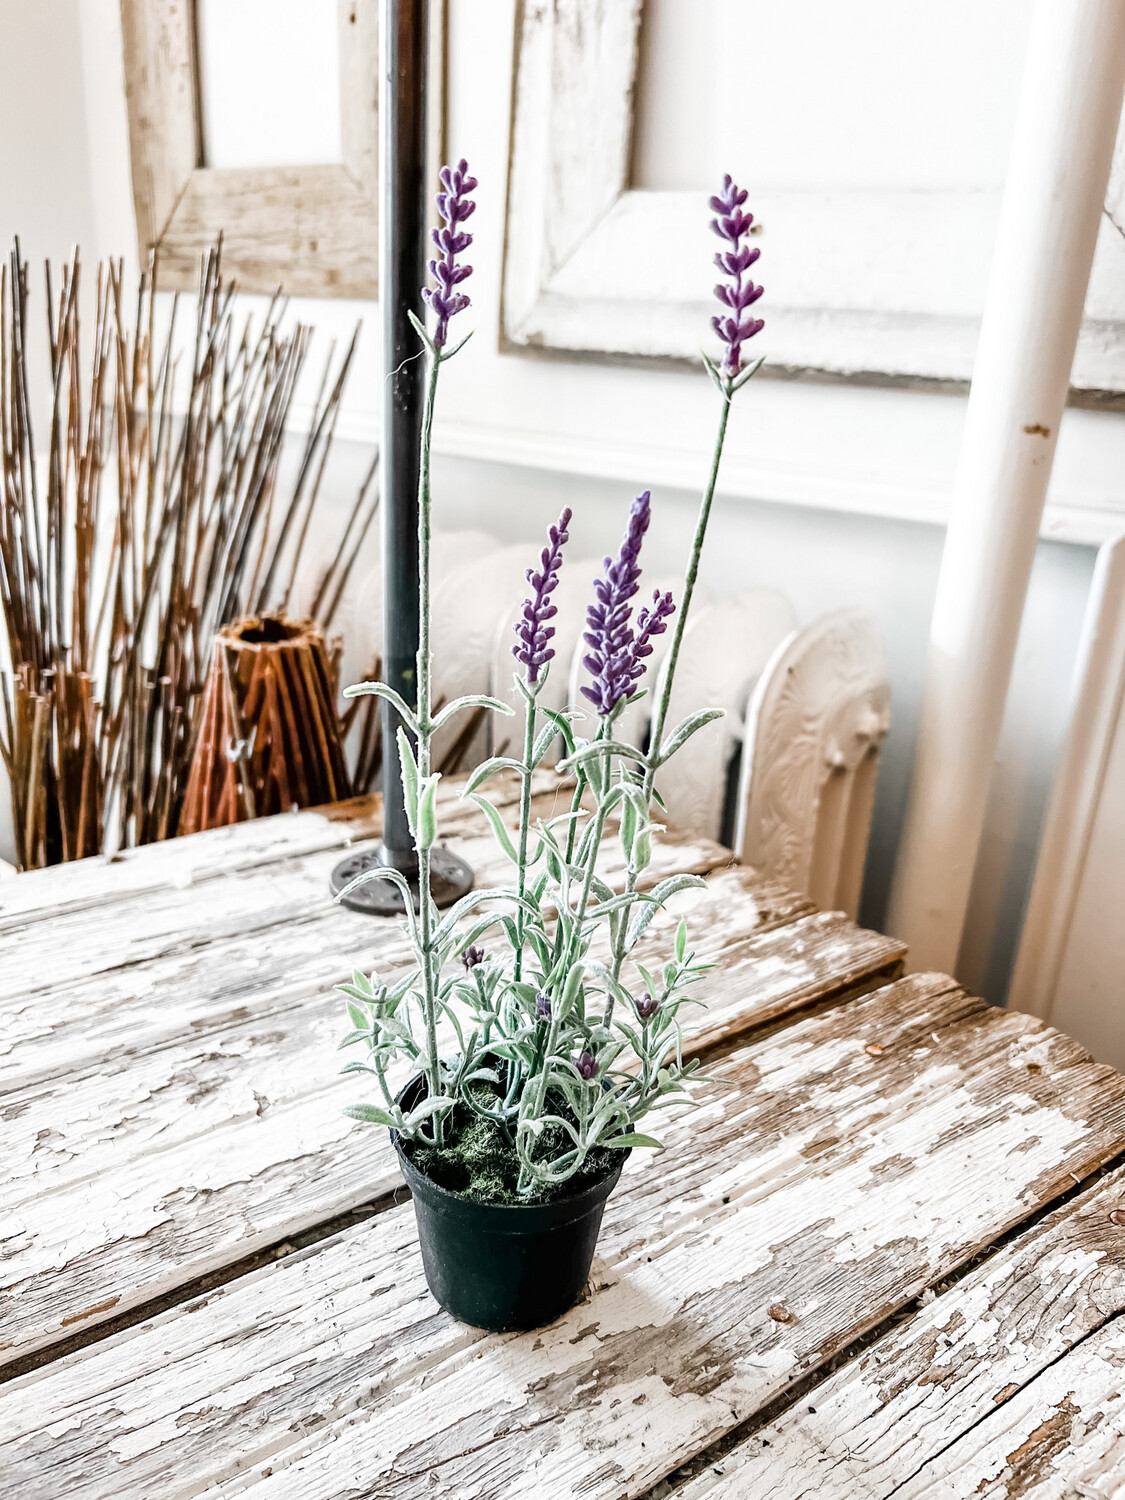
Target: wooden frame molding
<point>313,229</point>
<point>880,287</point>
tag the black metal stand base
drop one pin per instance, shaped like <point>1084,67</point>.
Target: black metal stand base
<point>450,879</point>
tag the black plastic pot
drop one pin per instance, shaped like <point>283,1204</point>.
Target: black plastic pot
<point>501,1266</point>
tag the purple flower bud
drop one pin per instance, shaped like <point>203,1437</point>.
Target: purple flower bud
<point>542,1007</point>
<point>472,956</point>
<point>587,1065</point>
<point>532,630</point>
<point>454,206</point>
<point>609,633</point>
<point>652,620</point>
<point>617,652</point>
<point>647,1006</point>
<point>734,225</point>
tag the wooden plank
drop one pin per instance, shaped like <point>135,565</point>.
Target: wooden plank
<point>1061,1438</point>
<point>183,863</point>
<point>312,229</point>
<point>908,1412</point>
<point>237,902</point>
<point>165,965</point>
<point>92,884</point>
<point>158,46</point>
<point>229,1136</point>
<point>862,1154</point>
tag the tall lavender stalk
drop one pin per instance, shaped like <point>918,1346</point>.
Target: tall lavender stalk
<point>419,783</point>
<point>532,1036</point>
<point>454,207</point>
<point>734,329</point>
<point>534,652</point>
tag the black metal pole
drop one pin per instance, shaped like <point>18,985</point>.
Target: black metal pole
<point>404,206</point>
<point>402,269</point>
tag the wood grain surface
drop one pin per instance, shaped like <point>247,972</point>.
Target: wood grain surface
<point>878,1256</point>
<point>172,1064</point>
<point>829,1173</point>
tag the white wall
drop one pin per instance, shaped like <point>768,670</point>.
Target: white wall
<point>837,493</point>
<point>46,192</point>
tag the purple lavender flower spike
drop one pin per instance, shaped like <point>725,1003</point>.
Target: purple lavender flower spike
<point>647,1006</point>
<point>617,653</point>
<point>472,956</point>
<point>739,296</point>
<point>454,206</point>
<point>587,1065</point>
<point>609,633</point>
<point>543,1006</point>
<point>652,620</point>
<point>532,646</point>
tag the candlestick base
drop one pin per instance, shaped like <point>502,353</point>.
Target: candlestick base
<point>450,879</point>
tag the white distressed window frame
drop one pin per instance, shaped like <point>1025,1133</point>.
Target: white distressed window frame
<point>312,229</point>
<point>595,268</point>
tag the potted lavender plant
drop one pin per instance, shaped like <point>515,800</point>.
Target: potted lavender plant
<point>540,1040</point>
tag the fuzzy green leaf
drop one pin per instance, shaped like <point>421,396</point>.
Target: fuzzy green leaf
<point>427,811</point>
<point>472,700</point>
<point>409,768</point>
<point>684,731</point>
<point>748,374</point>
<point>547,736</point>
<point>426,1109</point>
<point>562,724</point>
<point>716,378</point>
<point>382,690</point>
<point>380,873</point>
<point>487,768</point>
<point>474,899</point>
<point>571,992</point>
<point>658,896</point>
<point>370,1114</point>
<point>499,830</point>
<point>601,749</point>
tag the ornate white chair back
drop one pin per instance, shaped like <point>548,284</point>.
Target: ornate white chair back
<point>725,648</point>
<point>816,720</point>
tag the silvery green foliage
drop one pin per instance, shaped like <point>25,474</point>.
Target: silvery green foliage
<point>546,984</point>
<point>562,996</point>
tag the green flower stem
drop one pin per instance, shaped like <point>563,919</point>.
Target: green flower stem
<point>541,1090</point>
<point>525,819</point>
<point>383,1085</point>
<point>425,739</point>
<point>656,735</point>
<point>580,786</point>
<point>575,809</point>
<point>690,576</point>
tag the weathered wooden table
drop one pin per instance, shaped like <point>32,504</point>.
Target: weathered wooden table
<point>885,1255</point>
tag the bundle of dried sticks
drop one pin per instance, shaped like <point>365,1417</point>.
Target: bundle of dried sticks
<point>157,520</point>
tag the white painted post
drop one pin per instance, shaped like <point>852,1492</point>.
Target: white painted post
<point>1067,119</point>
<point>1076,796</point>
